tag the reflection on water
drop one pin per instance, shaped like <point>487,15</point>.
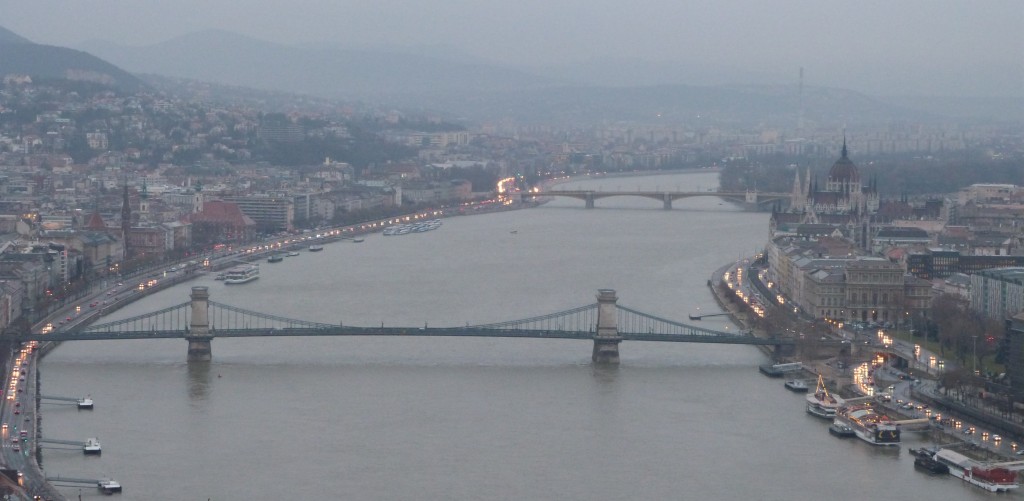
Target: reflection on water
<point>198,381</point>
<point>605,373</point>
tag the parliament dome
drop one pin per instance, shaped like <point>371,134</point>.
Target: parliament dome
<point>844,170</point>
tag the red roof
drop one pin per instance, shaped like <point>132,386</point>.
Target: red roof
<point>95,222</point>
<point>219,211</point>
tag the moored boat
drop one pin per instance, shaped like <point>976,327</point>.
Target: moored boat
<point>92,447</point>
<point>930,465</point>
<point>292,254</point>
<point>357,240</point>
<point>276,258</point>
<point>990,478</point>
<point>316,248</point>
<point>821,403</point>
<point>797,385</point>
<point>841,431</point>
<point>108,486</point>
<point>868,425</point>
<point>922,452</point>
<point>242,274</point>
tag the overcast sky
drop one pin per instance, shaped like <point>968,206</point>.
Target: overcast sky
<point>950,47</point>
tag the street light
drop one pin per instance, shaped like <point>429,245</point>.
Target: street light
<point>974,360</point>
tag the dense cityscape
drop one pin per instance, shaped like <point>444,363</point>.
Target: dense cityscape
<point>890,287</point>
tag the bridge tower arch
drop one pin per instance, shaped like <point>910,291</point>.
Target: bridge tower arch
<point>751,197</point>
<point>606,341</point>
<point>198,334</point>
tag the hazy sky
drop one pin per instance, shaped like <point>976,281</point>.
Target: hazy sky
<point>930,47</point>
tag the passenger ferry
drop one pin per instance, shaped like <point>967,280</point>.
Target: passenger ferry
<point>989,477</point>
<point>868,425</point>
<point>821,403</point>
<point>242,274</point>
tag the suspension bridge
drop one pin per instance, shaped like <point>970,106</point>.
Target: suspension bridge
<point>200,320</point>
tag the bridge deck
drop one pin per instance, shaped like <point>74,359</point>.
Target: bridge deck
<point>407,332</point>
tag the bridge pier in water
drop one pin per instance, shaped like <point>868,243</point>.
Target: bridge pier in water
<point>667,201</point>
<point>199,328</point>
<point>606,342</point>
<point>589,201</point>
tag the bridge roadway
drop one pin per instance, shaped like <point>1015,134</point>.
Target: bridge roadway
<point>329,330</point>
<point>666,197</point>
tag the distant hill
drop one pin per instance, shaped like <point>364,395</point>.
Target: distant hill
<point>20,56</point>
<point>232,59</point>
<point>456,84</point>
<point>8,36</point>
<point>678,104</point>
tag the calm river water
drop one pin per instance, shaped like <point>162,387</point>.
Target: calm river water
<point>372,418</point>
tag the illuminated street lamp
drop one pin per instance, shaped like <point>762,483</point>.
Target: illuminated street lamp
<point>974,358</point>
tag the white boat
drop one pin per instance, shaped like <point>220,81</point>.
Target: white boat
<point>357,240</point>
<point>92,446</point>
<point>868,425</point>
<point>992,478</point>
<point>85,403</point>
<point>821,403</point>
<point>242,274</point>
<point>316,248</point>
<point>108,486</point>
<point>292,254</point>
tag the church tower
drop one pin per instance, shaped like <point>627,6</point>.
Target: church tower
<point>143,204</point>
<point>126,221</point>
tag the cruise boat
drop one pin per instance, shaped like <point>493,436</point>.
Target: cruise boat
<point>242,274</point>
<point>316,248</point>
<point>276,258</point>
<point>92,446</point>
<point>108,486</point>
<point>990,478</point>
<point>292,254</point>
<point>357,240</point>
<point>821,403</point>
<point>870,426</point>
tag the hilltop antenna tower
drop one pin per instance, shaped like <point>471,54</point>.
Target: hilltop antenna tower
<point>800,105</point>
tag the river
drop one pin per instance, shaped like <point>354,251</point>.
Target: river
<point>375,418</point>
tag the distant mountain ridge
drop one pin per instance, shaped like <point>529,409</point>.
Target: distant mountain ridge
<point>8,36</point>
<point>228,58</point>
<point>20,56</point>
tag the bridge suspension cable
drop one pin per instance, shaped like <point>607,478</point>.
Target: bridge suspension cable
<point>581,319</point>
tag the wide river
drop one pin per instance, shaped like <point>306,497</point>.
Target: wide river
<point>375,418</point>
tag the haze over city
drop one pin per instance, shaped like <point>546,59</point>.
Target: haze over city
<point>881,48</point>
<point>402,249</point>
